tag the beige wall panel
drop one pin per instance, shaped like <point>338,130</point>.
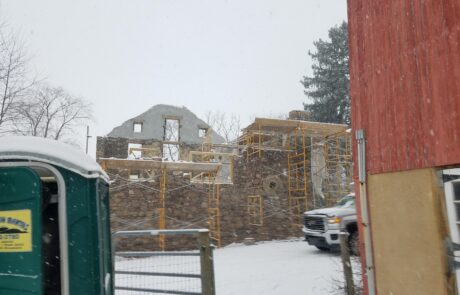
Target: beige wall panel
<point>408,229</point>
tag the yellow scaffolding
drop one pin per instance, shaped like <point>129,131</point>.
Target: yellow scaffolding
<point>206,145</point>
<point>209,155</point>
<point>297,176</point>
<point>295,138</point>
<point>214,213</point>
<point>266,134</point>
<point>144,153</point>
<point>225,173</point>
<point>255,210</point>
<point>162,208</point>
<point>254,142</point>
<point>260,140</point>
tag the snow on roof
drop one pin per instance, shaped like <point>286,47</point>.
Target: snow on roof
<point>50,151</point>
<point>153,121</point>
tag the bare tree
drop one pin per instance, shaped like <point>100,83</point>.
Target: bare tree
<point>14,83</point>
<point>50,112</point>
<point>228,126</point>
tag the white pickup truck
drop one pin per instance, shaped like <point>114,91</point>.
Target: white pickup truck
<point>322,226</point>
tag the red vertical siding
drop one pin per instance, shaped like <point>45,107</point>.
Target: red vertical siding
<point>405,81</point>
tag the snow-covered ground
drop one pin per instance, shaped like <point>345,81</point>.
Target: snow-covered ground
<point>269,268</point>
<point>275,268</point>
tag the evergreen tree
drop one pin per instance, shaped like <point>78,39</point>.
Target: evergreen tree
<point>328,90</point>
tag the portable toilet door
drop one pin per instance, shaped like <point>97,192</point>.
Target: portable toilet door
<point>20,231</point>
<point>54,220</point>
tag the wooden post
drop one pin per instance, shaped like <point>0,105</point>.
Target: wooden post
<point>207,264</point>
<point>162,210</point>
<point>347,271</point>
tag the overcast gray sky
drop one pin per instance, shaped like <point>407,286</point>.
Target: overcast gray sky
<point>238,56</point>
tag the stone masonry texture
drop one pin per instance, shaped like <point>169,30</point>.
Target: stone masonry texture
<point>134,204</point>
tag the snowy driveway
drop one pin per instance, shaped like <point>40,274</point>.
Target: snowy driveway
<point>275,268</point>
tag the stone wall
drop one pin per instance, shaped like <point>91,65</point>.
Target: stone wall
<point>117,147</point>
<point>133,204</point>
<point>265,177</point>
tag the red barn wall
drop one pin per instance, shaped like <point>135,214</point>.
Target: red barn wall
<point>405,81</point>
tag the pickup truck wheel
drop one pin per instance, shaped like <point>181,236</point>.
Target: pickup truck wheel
<point>323,248</point>
<point>353,243</point>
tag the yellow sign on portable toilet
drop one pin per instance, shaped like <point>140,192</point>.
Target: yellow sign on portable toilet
<point>15,231</point>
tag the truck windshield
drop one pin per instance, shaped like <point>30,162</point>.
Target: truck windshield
<point>346,202</point>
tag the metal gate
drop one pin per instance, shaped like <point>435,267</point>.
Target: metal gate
<point>165,272</point>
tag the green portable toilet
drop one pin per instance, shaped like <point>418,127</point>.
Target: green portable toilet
<point>54,220</point>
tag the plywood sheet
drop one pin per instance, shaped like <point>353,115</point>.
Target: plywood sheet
<point>408,229</point>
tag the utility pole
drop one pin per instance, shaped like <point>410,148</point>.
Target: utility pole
<point>87,138</point>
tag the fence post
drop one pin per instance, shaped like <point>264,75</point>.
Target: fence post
<point>207,264</point>
<point>345,253</point>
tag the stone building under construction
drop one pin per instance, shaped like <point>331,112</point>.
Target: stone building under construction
<point>170,170</point>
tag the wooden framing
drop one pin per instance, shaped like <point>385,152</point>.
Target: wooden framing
<point>273,134</point>
<point>151,152</point>
<point>227,167</point>
<point>113,163</point>
<point>286,126</point>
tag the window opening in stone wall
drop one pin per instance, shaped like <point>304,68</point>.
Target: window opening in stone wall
<point>134,175</point>
<point>134,151</point>
<point>171,132</point>
<point>202,132</point>
<point>171,152</point>
<point>137,127</point>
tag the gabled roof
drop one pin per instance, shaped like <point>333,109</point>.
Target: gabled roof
<point>153,121</point>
